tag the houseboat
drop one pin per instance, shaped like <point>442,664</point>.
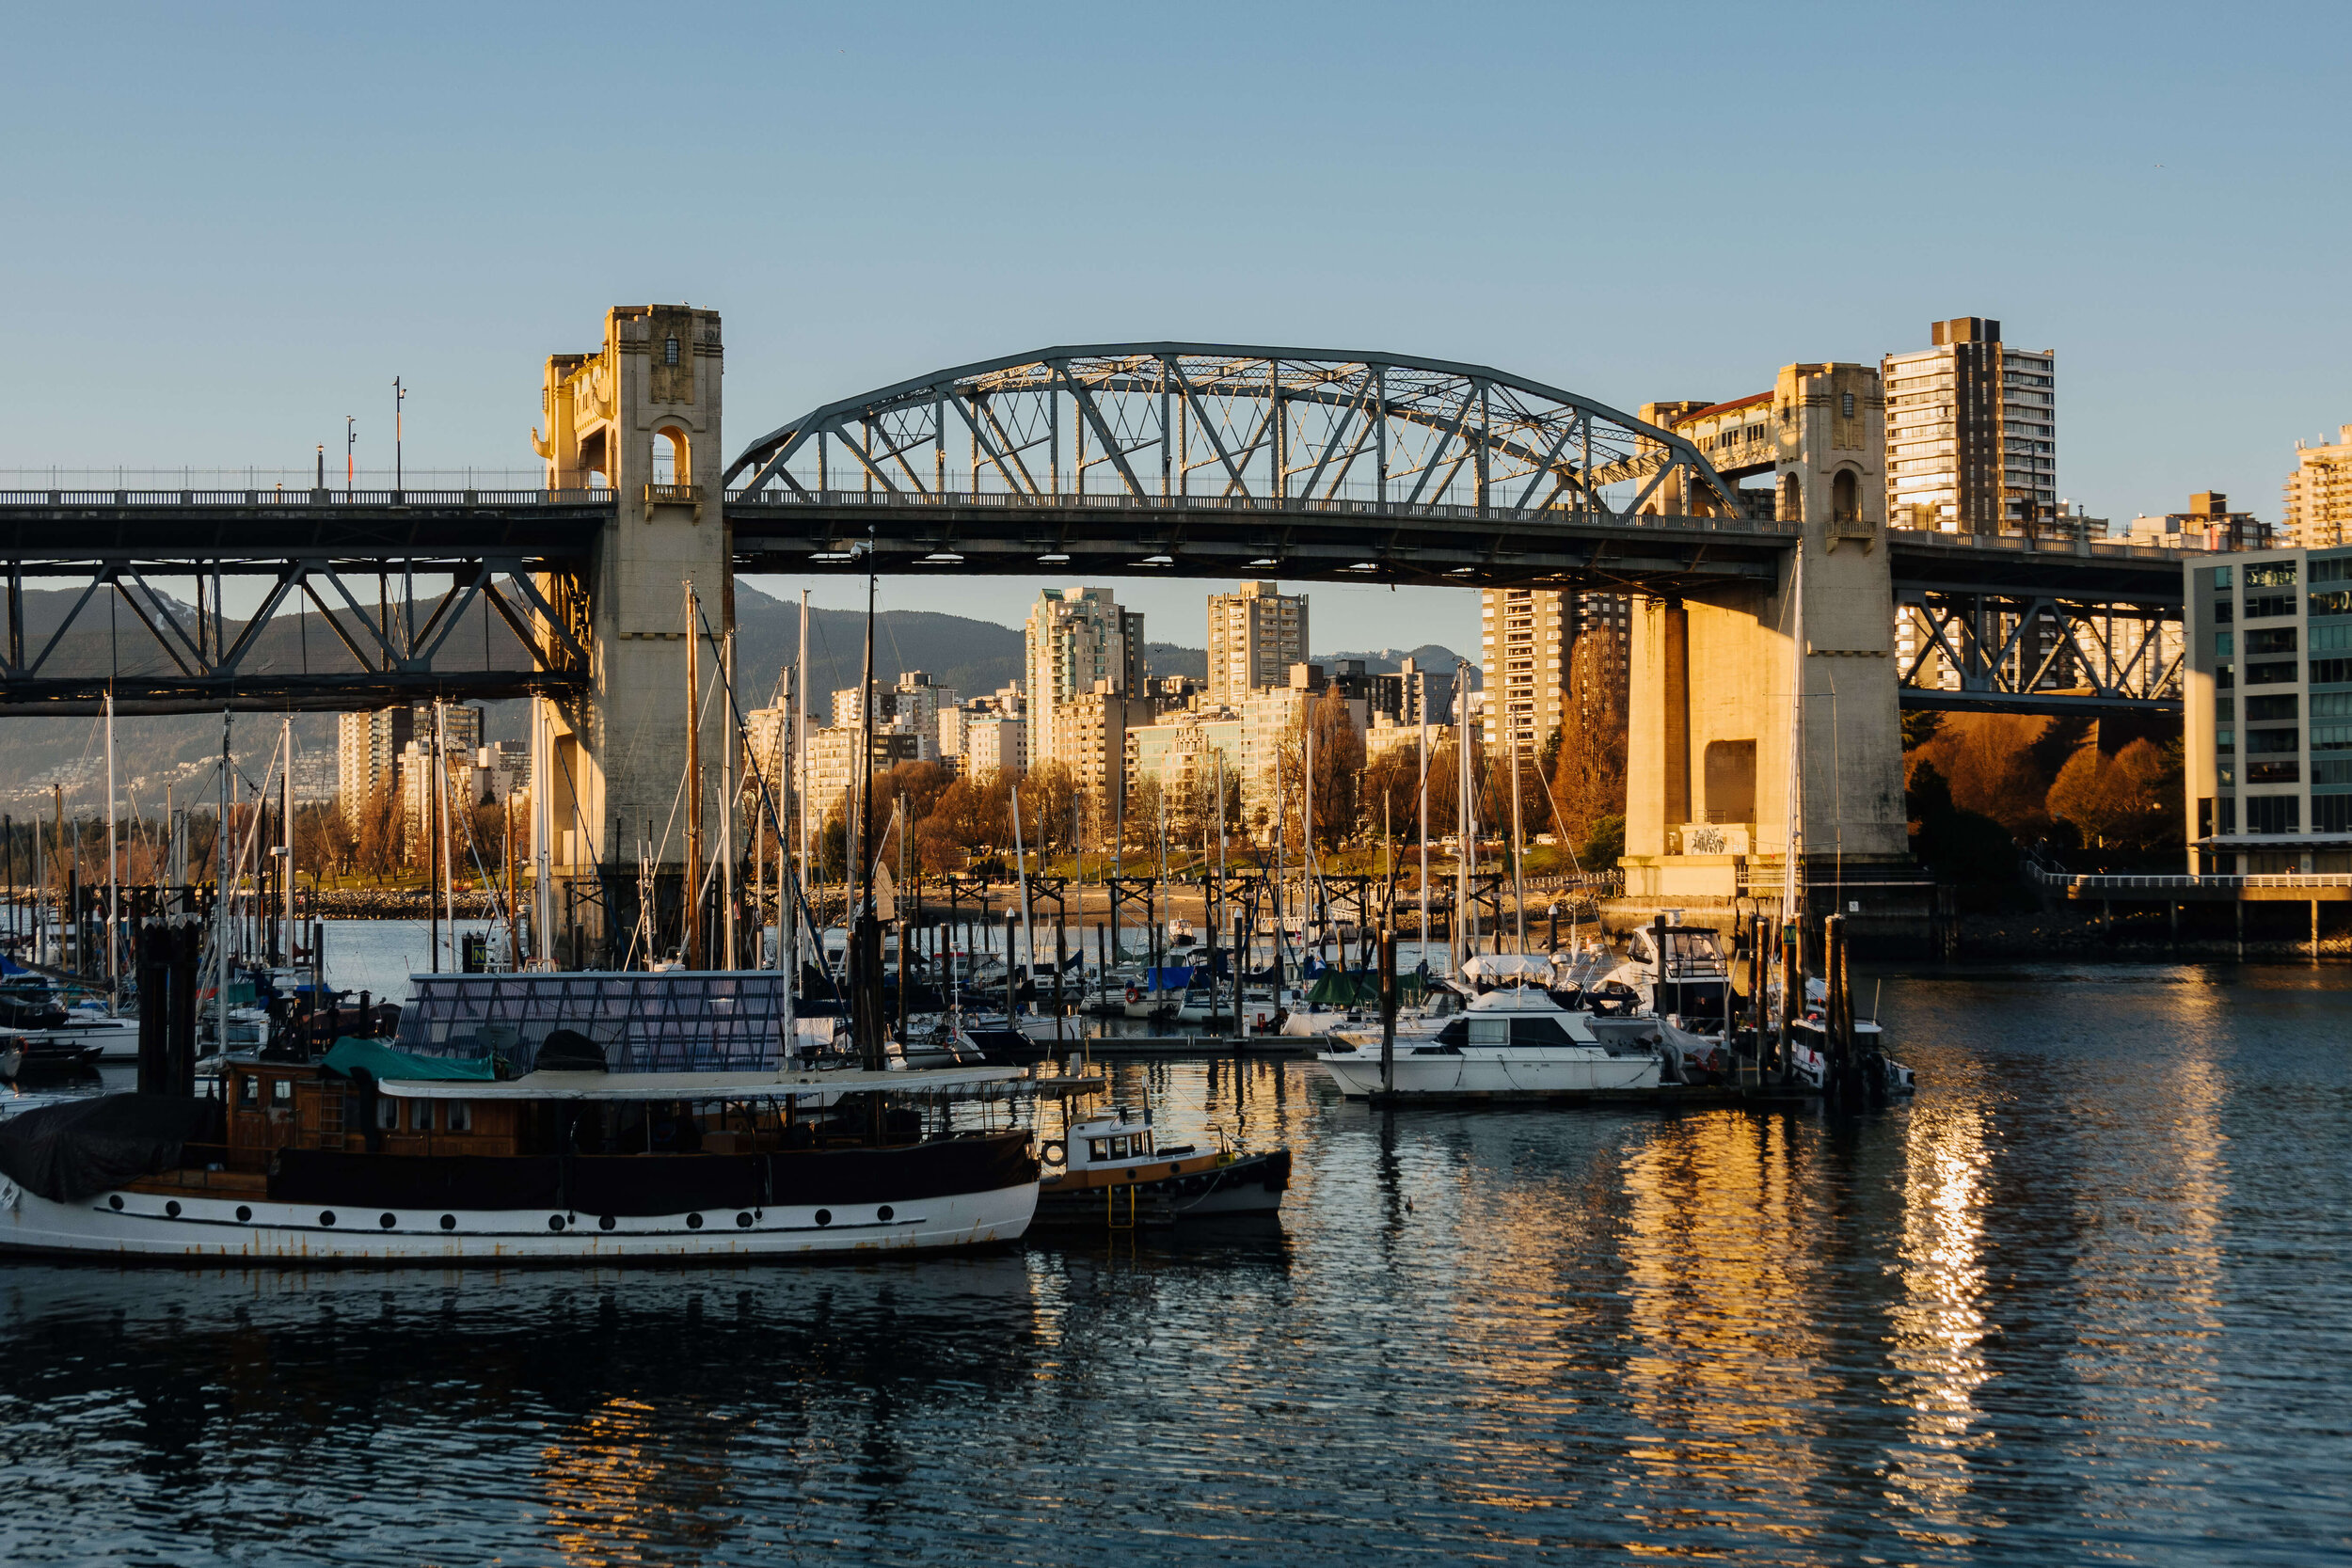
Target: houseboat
<point>372,1156</point>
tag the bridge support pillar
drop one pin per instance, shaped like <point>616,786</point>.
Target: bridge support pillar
<point>1712,733</point>
<point>640,414</point>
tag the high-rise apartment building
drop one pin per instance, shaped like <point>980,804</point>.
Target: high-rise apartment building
<point>367,755</point>
<point>1255,634</point>
<point>2319,493</point>
<point>1526,637</point>
<point>1075,638</point>
<point>1971,433</point>
<point>369,747</point>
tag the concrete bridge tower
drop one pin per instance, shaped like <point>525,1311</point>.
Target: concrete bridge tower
<point>640,414</point>
<point>1713,672</point>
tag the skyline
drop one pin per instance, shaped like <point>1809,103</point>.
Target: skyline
<point>219,277</point>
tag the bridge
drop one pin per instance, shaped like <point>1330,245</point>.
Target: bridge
<point>1159,459</point>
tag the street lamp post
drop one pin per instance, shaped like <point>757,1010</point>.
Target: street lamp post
<point>351,435</point>
<point>400,394</point>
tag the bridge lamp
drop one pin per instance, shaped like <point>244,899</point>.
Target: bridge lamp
<point>1157,561</point>
<point>945,560</point>
<point>1053,561</point>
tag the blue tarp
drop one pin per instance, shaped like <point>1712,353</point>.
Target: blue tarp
<point>1167,977</point>
<point>351,1055</point>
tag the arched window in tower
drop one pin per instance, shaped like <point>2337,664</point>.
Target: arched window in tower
<point>669,351</point>
<point>673,460</point>
<point>1845,496</point>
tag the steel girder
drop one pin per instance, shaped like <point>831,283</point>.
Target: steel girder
<point>2025,651</point>
<point>1280,425</point>
<point>159,655</point>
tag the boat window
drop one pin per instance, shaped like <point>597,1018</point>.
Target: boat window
<point>1143,1143</point>
<point>388,1116</point>
<point>1538,1030</point>
<point>1490,1031</point>
<point>249,1092</point>
<point>420,1115</point>
<point>457,1117</point>
<point>281,1091</point>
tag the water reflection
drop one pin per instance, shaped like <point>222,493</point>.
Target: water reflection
<point>2083,1298</point>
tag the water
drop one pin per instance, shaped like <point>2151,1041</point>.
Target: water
<point>2084,1300</point>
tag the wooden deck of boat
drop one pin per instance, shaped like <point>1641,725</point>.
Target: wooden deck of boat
<point>1664,1097</point>
<point>1191,1045</point>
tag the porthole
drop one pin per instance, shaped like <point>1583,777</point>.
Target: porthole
<point>388,1221</point>
<point>606,1222</point>
<point>555,1222</point>
<point>885,1212</point>
<point>327,1216</point>
<point>1175,1167</point>
<point>824,1216</point>
<point>693,1222</point>
<point>243,1213</point>
<point>172,1208</point>
<point>742,1222</point>
<point>115,1203</point>
<point>449,1222</point>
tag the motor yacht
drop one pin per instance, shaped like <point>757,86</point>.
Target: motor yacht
<point>1513,1041</point>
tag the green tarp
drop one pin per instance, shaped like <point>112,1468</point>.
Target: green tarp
<point>351,1055</point>
<point>1361,988</point>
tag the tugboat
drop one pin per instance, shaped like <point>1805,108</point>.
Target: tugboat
<point>1108,1174</point>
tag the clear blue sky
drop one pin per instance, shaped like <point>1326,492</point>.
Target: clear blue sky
<point>230,228</point>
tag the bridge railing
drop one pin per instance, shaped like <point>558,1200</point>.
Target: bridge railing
<point>2135,882</point>
<point>2027,544</point>
<point>1345,506</point>
<point>306,497</point>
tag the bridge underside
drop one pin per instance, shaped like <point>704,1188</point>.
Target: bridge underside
<point>1100,535</point>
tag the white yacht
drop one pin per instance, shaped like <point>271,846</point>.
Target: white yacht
<point>1509,1042</point>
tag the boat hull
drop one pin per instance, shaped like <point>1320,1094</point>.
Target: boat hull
<point>1504,1071</point>
<point>1247,1184</point>
<point>322,1208</point>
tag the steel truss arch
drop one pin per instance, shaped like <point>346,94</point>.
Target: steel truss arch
<point>1282,425</point>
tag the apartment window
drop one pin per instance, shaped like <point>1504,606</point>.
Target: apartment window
<point>2224,610</point>
<point>2266,710</point>
<point>2276,640</point>
<point>2270,574</point>
<point>2332,814</point>
<point>2273,742</point>
<point>2271,675</point>
<point>2224,643</point>
<point>2265,606</point>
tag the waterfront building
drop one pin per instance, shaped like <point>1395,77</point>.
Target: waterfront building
<point>1179,752</point>
<point>1256,634</point>
<point>2319,493</point>
<point>1971,433</point>
<point>461,741</point>
<point>1074,638</point>
<point>2269,711</point>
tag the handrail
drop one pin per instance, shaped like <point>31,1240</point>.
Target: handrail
<point>306,497</point>
<point>2097,882</point>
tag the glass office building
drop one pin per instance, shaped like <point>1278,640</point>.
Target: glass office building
<point>2269,711</point>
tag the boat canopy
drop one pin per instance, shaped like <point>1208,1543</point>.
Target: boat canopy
<point>353,1055</point>
<point>699,1085</point>
<point>721,1021</point>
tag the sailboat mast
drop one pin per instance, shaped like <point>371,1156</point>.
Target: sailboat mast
<point>1519,883</point>
<point>285,829</point>
<point>693,880</point>
<point>220,902</point>
<point>1420,751</point>
<point>1792,861</point>
<point>114,915</point>
<point>726,798</point>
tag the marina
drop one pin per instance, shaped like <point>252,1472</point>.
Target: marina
<point>1490,1332</point>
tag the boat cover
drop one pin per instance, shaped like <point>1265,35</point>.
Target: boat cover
<point>351,1055</point>
<point>67,1152</point>
<point>1493,968</point>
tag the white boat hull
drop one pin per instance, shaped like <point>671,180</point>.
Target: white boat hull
<point>228,1229</point>
<point>1495,1070</point>
<point>116,1038</point>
